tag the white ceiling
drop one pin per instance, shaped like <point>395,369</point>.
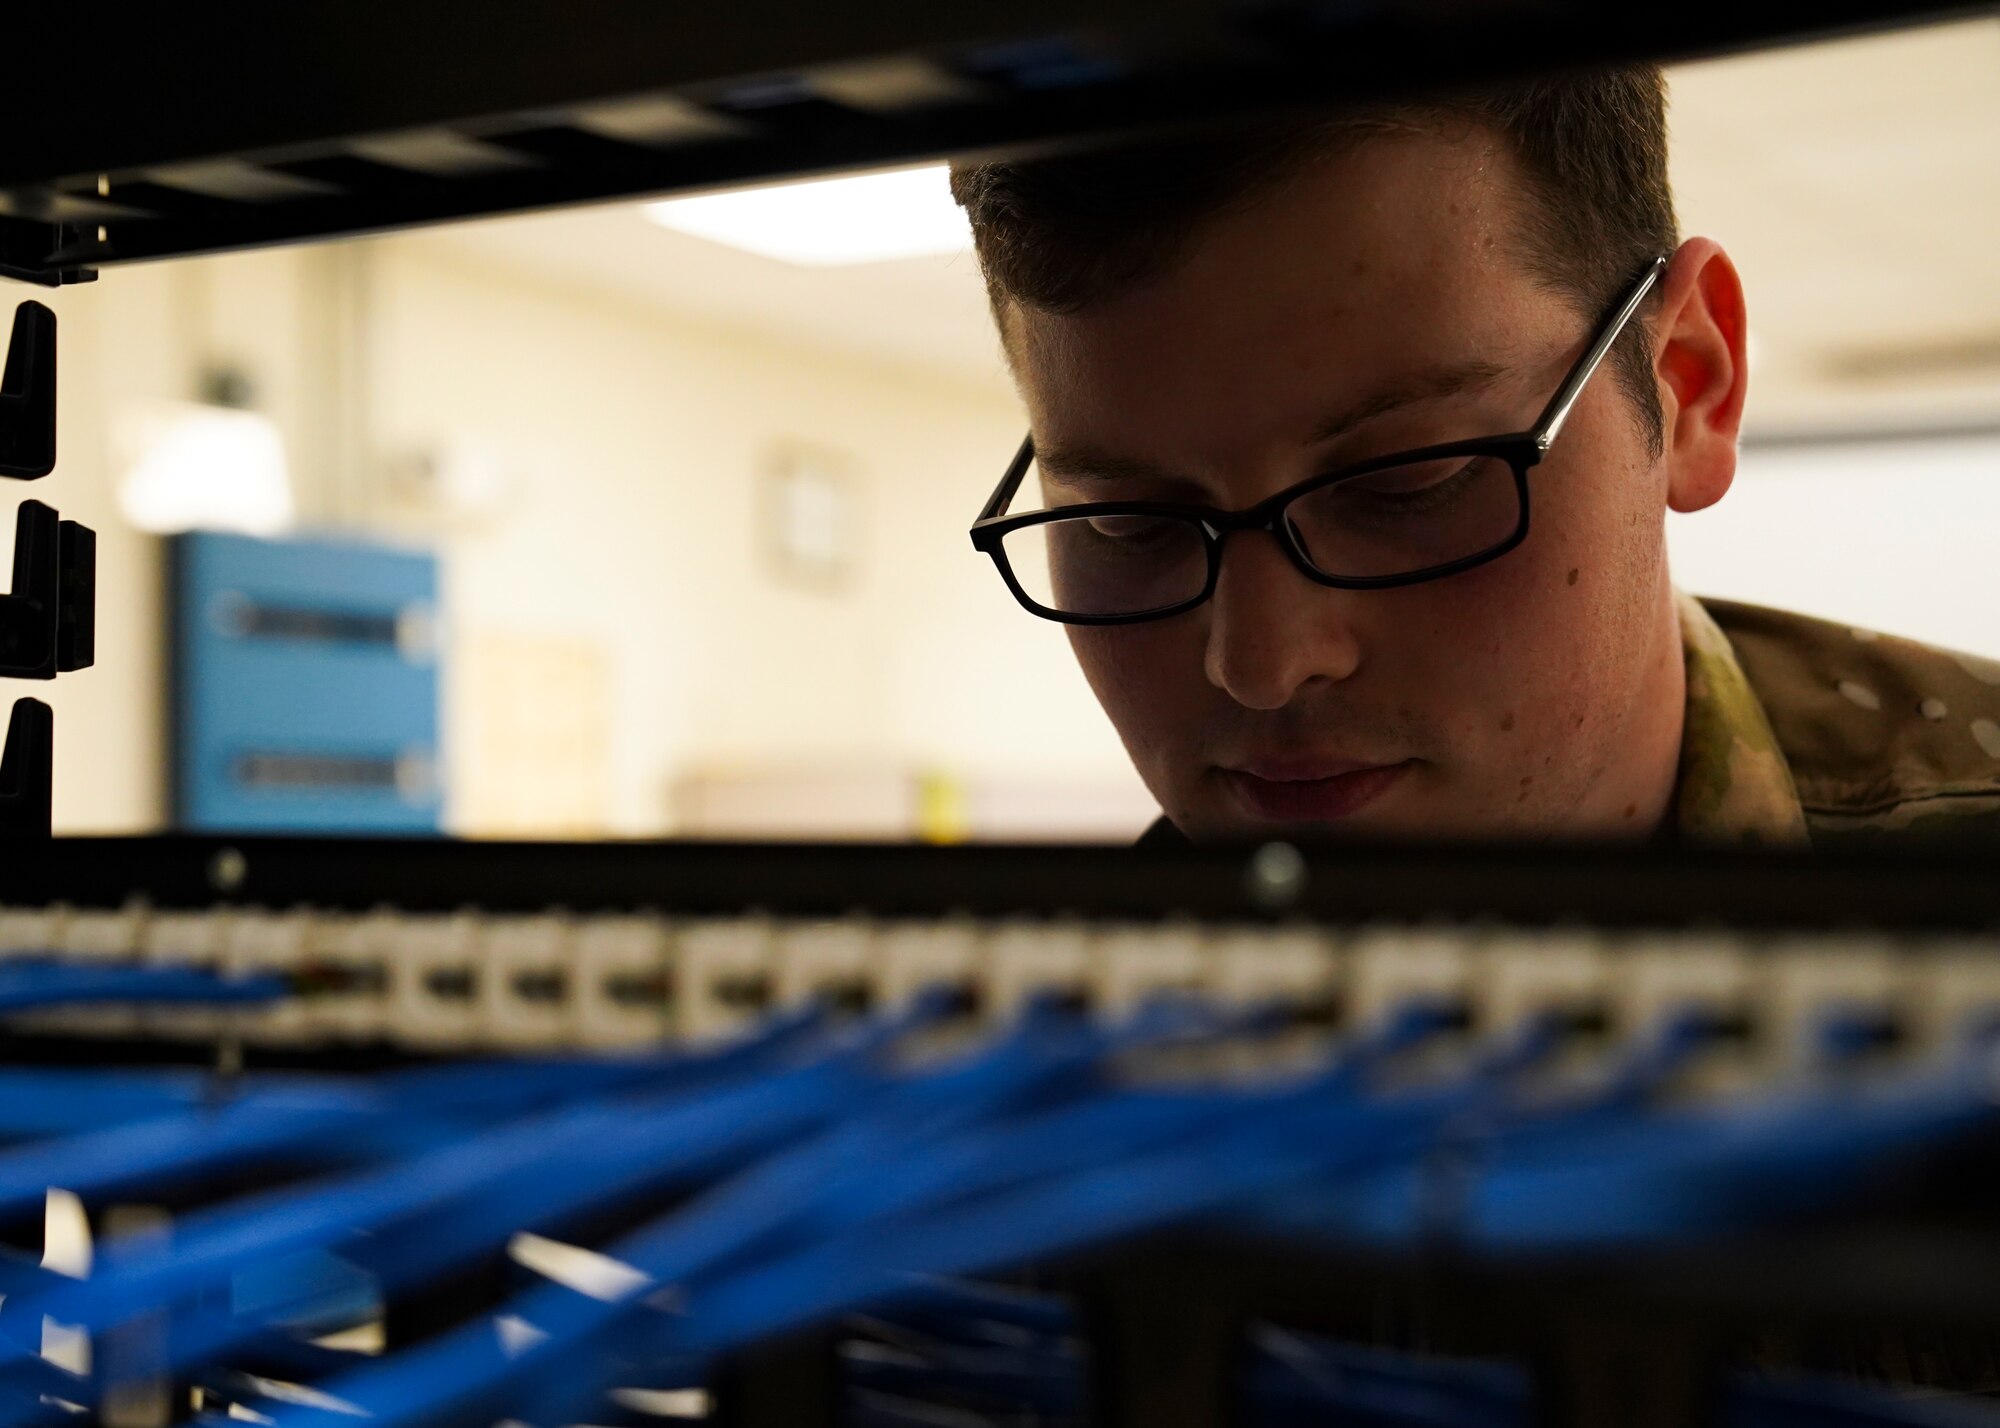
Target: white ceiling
<point>927,312</point>
<point>1856,183</point>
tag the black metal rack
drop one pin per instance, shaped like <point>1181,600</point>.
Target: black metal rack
<point>1640,1339</point>
<point>177,131</point>
<point>47,618</point>
<point>1648,1337</point>
<point>174,132</point>
<point>1606,887</point>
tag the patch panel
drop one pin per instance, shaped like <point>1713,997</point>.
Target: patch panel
<point>1516,973</point>
<point>624,984</point>
<point>345,979</point>
<point>722,974</point>
<point>31,929</point>
<point>1299,966</point>
<point>1953,986</point>
<point>1802,981</point>
<point>258,940</point>
<point>31,933</point>
<point>98,935</point>
<point>832,959</point>
<point>911,956</point>
<point>526,993</point>
<point>1702,970</point>
<point>533,982</point>
<point>521,982</point>
<point>1131,963</point>
<point>175,938</point>
<point>1024,959</point>
<point>434,983</point>
<point>1388,965</point>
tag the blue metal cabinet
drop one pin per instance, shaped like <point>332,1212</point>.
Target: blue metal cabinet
<point>305,686</point>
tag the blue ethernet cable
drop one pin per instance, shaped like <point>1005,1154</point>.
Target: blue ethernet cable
<point>1115,1125</point>
<point>326,1117</point>
<point>1423,1200</point>
<point>1293,1380</point>
<point>21,1274</point>
<point>1426,1392</point>
<point>1709,1170</point>
<point>515,1085</point>
<point>113,1296</point>
<point>334,1120</point>
<point>1043,1374</point>
<point>1050,1055</point>
<point>978,1313</point>
<point>1790,1402</point>
<point>722,1132</point>
<point>1286,1143</point>
<point>1615,1171</point>
<point>1290,1380</point>
<point>464,1186</point>
<point>750,1278</point>
<point>585,1157</point>
<point>1145,1197</point>
<point>37,1101</point>
<point>1881,1415</point>
<point>91,1130</point>
<point>466,1372</point>
<point>37,984</point>
<point>303,1118</point>
<point>1110,1127</point>
<point>1047,1051</point>
<point>1035,1364</point>
<point>1407,1203</point>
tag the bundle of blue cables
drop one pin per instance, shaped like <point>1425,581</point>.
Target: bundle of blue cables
<point>815,1171</point>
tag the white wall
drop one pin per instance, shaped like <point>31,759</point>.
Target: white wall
<point>1901,536</point>
<point>632,442</point>
<point>637,443</point>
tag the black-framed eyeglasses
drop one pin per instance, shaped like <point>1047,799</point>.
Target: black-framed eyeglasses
<point>1395,520</point>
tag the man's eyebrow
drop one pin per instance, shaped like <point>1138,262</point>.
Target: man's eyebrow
<point>1088,464</point>
<point>1433,384</point>
<point>1084,463</point>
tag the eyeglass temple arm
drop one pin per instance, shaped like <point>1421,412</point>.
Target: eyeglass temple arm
<point>1011,482</point>
<point>1557,412</point>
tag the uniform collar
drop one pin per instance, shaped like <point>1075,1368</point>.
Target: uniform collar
<point>1734,785</point>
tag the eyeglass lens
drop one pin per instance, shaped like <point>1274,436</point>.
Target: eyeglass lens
<point>1387,523</point>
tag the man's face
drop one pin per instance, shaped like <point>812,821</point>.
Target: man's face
<point>1506,699</point>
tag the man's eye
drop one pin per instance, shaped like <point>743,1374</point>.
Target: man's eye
<point>1416,480</point>
<point>1131,529</point>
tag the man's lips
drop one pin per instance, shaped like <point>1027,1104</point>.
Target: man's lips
<point>1310,791</point>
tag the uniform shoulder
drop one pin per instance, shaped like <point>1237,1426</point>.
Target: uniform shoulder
<point>1879,731</point>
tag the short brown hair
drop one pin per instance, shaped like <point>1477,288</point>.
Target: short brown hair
<point>1062,233</point>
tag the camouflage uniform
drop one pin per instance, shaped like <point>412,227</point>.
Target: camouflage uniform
<point>1799,730</point>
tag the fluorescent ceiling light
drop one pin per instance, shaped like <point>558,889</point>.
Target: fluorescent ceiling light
<point>190,466</point>
<point>829,222</point>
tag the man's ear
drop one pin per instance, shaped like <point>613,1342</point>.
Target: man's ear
<point>1699,336</point>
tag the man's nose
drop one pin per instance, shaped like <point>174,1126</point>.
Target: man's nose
<point>1271,631</point>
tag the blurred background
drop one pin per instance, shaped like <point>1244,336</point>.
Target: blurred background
<point>640,521</point>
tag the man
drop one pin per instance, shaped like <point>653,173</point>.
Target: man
<point>1229,345</point>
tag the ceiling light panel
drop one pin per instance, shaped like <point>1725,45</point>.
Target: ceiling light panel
<point>871,218</point>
